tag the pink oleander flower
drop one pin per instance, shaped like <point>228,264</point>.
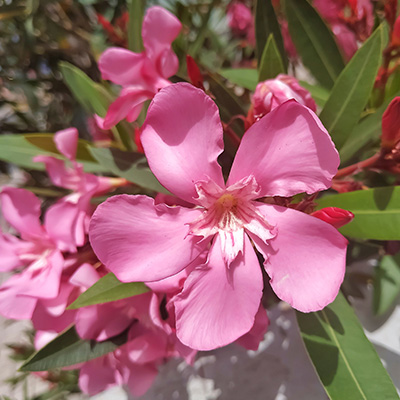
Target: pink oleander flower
<point>151,341</point>
<point>141,75</point>
<point>73,210</point>
<point>240,20</point>
<point>286,152</point>
<point>274,92</point>
<point>39,251</point>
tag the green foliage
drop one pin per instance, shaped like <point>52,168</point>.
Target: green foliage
<point>271,63</point>
<point>368,130</point>
<point>20,149</point>
<point>244,77</point>
<point>344,359</point>
<point>128,165</point>
<point>352,89</point>
<point>69,349</point>
<point>314,41</point>
<point>386,284</point>
<point>135,42</point>
<point>94,98</point>
<point>266,24</point>
<point>107,289</point>
<point>376,211</point>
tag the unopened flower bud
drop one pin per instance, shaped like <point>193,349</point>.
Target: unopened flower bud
<point>195,76</point>
<point>273,92</point>
<point>396,33</point>
<point>391,125</point>
<point>334,216</point>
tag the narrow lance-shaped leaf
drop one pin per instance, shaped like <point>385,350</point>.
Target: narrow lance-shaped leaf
<point>94,98</point>
<point>17,150</point>
<point>314,41</point>
<point>107,289</point>
<point>376,212</point>
<point>271,63</point>
<point>45,141</point>
<point>352,89</point>
<point>366,131</point>
<point>128,165</point>
<point>386,283</point>
<point>135,42</point>
<point>344,359</point>
<point>244,77</point>
<point>266,24</point>
<point>69,349</point>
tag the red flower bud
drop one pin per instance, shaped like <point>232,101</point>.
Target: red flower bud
<point>137,140</point>
<point>194,73</point>
<point>396,33</point>
<point>334,216</point>
<point>391,124</point>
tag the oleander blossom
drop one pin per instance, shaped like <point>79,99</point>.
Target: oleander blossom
<point>141,75</point>
<point>286,152</point>
<point>271,93</point>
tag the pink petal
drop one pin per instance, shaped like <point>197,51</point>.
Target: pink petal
<point>128,105</point>
<point>288,152</point>
<point>182,138</point>
<point>42,278</point>
<point>21,209</point>
<point>140,241</point>
<point>121,66</point>
<point>58,172</point>
<point>85,276</point>
<point>145,345</point>
<point>218,305</point>
<point>306,260</point>
<point>251,340</point>
<point>139,378</point>
<point>103,321</point>
<point>12,305</point>
<point>67,142</point>
<point>159,30</point>
<point>9,250</point>
<point>98,375</point>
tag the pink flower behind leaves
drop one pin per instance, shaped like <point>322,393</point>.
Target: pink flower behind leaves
<point>72,211</point>
<point>240,20</point>
<point>39,250</point>
<point>274,92</point>
<point>286,152</point>
<point>141,74</point>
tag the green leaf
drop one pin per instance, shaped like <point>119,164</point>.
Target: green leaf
<point>314,41</point>
<point>318,93</point>
<point>344,359</point>
<point>135,42</point>
<point>128,165</point>
<point>15,149</point>
<point>266,23</point>
<point>244,77</point>
<point>376,211</point>
<point>386,284</point>
<point>69,349</point>
<point>228,103</point>
<point>271,63</point>
<point>94,98</point>
<point>107,289</point>
<point>366,131</point>
<point>352,89</point>
<point>45,141</point>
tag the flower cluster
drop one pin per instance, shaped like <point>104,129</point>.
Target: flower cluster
<point>198,248</point>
